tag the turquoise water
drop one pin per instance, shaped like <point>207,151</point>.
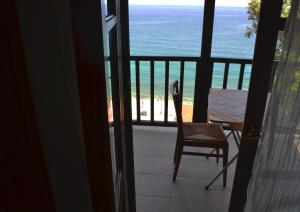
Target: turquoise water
<point>176,31</point>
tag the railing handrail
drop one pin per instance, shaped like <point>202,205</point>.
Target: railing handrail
<point>231,60</point>
<point>189,59</point>
<point>164,58</point>
<point>137,59</point>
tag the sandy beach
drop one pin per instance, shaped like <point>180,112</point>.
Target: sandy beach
<point>226,104</point>
<point>159,105</point>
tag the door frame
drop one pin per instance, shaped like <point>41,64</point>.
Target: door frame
<point>109,26</point>
<point>270,23</point>
<point>122,10</point>
<point>90,66</point>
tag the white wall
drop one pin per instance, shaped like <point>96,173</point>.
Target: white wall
<point>47,38</point>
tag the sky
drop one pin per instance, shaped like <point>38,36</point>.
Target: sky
<point>234,3</point>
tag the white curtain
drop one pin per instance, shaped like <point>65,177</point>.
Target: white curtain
<point>275,182</point>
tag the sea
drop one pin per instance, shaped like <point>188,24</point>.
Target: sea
<point>177,31</point>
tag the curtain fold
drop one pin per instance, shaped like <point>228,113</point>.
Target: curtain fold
<point>275,182</point>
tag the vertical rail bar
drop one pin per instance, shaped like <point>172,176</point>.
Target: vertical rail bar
<point>152,90</point>
<point>166,91</point>
<point>204,65</point>
<point>241,77</point>
<point>181,79</point>
<point>225,79</point>
<point>137,82</point>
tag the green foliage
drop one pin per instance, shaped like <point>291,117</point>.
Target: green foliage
<point>286,8</point>
<point>143,113</point>
<point>253,16</point>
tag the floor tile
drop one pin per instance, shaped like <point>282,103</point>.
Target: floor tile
<point>137,177</point>
<point>140,148</point>
<point>152,204</point>
<point>154,165</point>
<point>184,205</point>
<point>144,128</point>
<point>139,162</point>
<point>154,149</point>
<point>143,133</point>
<point>207,169</point>
<point>186,188</point>
<point>161,149</point>
<point>142,139</point>
<point>172,130</point>
<point>166,135</point>
<point>155,185</point>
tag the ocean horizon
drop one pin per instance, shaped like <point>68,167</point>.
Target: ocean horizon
<point>163,30</point>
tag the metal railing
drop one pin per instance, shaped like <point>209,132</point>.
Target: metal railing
<point>182,60</point>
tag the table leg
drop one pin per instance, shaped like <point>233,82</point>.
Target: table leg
<point>236,137</point>
<point>221,172</point>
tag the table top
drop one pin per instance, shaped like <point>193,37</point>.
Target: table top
<point>227,105</point>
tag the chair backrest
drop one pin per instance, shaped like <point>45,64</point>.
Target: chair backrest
<point>174,90</point>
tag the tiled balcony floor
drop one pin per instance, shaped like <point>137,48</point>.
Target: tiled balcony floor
<point>155,190</point>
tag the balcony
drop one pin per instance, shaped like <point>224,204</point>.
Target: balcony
<point>154,140</point>
<point>155,190</point>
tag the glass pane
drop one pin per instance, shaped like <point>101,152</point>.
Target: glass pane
<point>230,26</point>
<point>105,8</point>
<point>109,7</point>
<point>158,29</point>
<point>112,97</point>
<point>279,45</point>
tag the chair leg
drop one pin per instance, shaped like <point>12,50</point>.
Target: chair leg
<point>218,155</point>
<point>177,162</point>
<point>176,150</point>
<point>225,161</point>
<point>212,151</point>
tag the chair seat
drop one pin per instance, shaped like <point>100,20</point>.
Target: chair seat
<point>206,132</point>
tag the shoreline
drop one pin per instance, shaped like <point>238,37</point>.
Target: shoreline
<point>185,100</point>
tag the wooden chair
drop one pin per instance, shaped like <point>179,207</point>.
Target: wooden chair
<point>207,135</point>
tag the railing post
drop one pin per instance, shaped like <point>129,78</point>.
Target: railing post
<point>152,91</point>
<point>225,78</point>
<point>137,83</point>
<point>241,77</point>
<point>204,66</point>
<point>166,92</point>
<point>181,79</point>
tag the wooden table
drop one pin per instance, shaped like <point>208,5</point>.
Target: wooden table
<point>228,107</point>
